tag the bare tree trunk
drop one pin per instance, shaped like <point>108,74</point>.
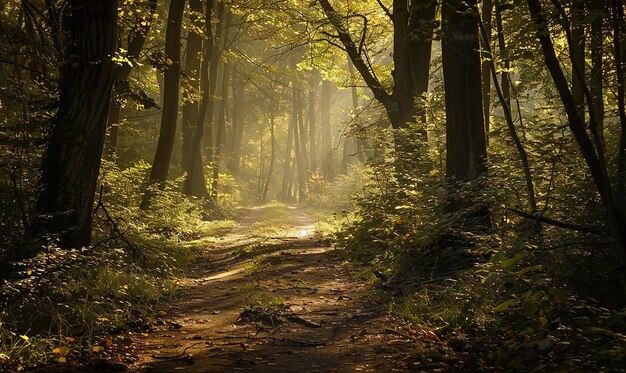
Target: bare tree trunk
<point>578,55</point>
<point>487,11</point>
<point>504,77</point>
<point>221,128</point>
<point>190,107</point>
<point>195,182</point>
<point>300,145</point>
<point>285,187</point>
<point>273,152</point>
<point>313,146</point>
<point>71,162</point>
<point>465,130</point>
<point>165,145</point>
<point>326,148</point>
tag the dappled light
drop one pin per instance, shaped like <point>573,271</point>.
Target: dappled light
<point>320,186</point>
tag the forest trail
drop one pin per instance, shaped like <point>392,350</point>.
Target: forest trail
<point>305,311</point>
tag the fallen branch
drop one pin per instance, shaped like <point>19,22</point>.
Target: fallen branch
<point>556,223</point>
<point>182,354</point>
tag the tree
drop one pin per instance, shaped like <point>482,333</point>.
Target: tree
<point>466,150</point>
<point>71,162</point>
<point>412,35</point>
<point>165,145</point>
<point>593,155</point>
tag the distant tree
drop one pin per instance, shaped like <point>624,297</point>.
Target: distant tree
<point>71,162</point>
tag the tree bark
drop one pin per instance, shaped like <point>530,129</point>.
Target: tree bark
<point>466,145</point>
<point>71,161</point>
<point>190,108</point>
<point>169,116</point>
<point>195,182</point>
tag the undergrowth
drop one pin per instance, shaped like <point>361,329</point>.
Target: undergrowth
<point>62,306</point>
<point>508,294</point>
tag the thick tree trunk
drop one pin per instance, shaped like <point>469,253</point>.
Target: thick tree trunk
<point>169,116</point>
<point>195,182</point>
<point>190,108</point>
<point>71,161</point>
<point>466,145</point>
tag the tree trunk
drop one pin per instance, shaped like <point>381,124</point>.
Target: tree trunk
<point>221,128</point>
<point>578,55</point>
<point>169,116</point>
<point>487,10</point>
<point>195,182</point>
<point>596,82</point>
<point>190,107</point>
<point>273,152</point>
<point>239,123</point>
<point>326,148</point>
<point>504,77</point>
<point>300,145</point>
<point>619,36</point>
<point>71,162</point>
<point>314,83</point>
<point>599,173</point>
<point>465,131</point>
<point>285,187</point>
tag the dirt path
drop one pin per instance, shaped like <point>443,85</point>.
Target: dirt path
<point>305,311</point>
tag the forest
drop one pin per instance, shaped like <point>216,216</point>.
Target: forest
<point>312,186</point>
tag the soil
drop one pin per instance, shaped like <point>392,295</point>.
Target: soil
<point>281,302</point>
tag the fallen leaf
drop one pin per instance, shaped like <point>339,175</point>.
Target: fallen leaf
<point>62,359</point>
<point>97,349</point>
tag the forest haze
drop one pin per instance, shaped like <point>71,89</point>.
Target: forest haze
<point>440,184</point>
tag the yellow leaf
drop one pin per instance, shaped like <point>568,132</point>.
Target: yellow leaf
<point>97,349</point>
<point>71,339</point>
<point>20,368</point>
<point>56,351</point>
<point>62,359</point>
<point>162,313</point>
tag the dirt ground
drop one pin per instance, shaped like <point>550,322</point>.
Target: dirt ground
<point>272,302</point>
